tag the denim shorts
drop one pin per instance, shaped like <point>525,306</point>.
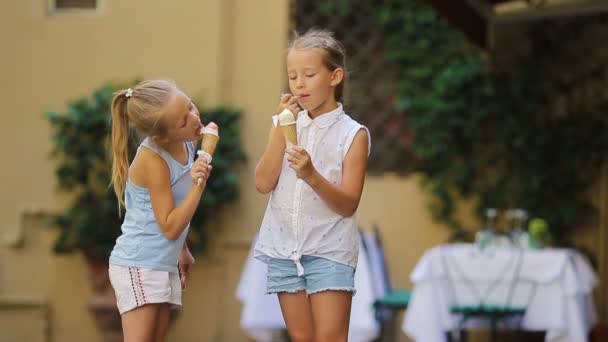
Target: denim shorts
<point>320,274</point>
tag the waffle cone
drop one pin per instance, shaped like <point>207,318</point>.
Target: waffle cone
<point>209,143</point>
<point>290,133</point>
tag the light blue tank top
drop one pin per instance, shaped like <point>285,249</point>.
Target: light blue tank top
<point>142,243</point>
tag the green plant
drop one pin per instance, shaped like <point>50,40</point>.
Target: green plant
<point>516,137</point>
<point>80,145</point>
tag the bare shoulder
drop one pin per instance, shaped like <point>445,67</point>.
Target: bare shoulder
<point>362,136</point>
<point>148,168</point>
<point>360,144</point>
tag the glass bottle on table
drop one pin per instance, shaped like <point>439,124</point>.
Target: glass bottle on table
<point>519,236</point>
<point>485,236</point>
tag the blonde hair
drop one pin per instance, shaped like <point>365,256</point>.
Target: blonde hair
<point>334,55</point>
<point>140,107</point>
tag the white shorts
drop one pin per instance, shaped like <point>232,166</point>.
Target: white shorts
<point>136,286</point>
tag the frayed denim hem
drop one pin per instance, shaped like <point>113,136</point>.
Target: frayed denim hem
<point>346,289</point>
<point>269,292</point>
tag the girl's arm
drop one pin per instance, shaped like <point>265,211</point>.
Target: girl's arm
<point>268,169</point>
<point>343,198</point>
<point>156,178</point>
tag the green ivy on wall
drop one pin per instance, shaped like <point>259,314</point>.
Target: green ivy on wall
<point>518,137</point>
<point>80,145</point>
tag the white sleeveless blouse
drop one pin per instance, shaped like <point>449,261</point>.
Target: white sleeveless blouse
<point>297,221</point>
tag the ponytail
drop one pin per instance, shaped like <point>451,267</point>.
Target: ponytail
<point>142,107</point>
<point>120,141</point>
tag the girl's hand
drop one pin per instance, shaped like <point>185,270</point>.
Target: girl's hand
<point>200,170</point>
<point>290,102</point>
<point>186,260</point>
<point>299,160</point>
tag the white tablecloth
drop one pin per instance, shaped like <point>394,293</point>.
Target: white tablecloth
<point>554,284</point>
<point>261,314</point>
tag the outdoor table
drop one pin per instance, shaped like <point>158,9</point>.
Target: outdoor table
<point>553,285</point>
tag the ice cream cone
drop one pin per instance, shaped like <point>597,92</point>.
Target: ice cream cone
<point>208,144</point>
<point>288,126</point>
<point>290,133</point>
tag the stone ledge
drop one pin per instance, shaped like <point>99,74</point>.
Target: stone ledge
<point>25,318</point>
<point>23,302</point>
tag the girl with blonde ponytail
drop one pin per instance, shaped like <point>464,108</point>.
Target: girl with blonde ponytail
<point>160,191</point>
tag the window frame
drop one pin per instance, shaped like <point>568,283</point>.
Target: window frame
<point>54,11</point>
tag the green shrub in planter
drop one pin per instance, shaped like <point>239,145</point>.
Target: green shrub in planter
<point>90,222</point>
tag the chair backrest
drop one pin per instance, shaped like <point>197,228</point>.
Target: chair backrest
<point>377,261</point>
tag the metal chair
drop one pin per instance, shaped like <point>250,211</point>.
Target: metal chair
<point>390,301</point>
<point>492,312</point>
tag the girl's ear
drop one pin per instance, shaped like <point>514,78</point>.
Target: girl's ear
<point>337,76</point>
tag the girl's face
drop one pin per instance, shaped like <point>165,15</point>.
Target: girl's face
<point>312,81</point>
<point>182,118</point>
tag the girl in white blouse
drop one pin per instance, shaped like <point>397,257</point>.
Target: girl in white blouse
<point>309,235</point>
